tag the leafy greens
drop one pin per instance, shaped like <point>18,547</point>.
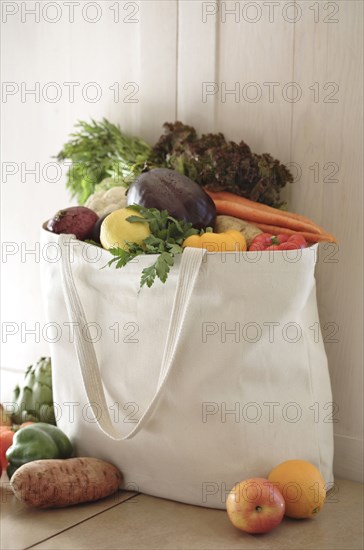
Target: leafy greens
<point>167,236</point>
<point>98,150</point>
<point>221,165</point>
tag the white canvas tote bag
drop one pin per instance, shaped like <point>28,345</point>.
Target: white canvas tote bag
<point>190,386</point>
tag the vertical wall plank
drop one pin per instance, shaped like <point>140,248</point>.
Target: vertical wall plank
<point>220,52</point>
<point>196,63</point>
<point>157,66</point>
<point>327,128</point>
<point>254,51</point>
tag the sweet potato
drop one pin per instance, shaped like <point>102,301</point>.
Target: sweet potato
<point>225,223</point>
<point>60,483</point>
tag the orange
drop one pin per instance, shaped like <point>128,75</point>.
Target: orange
<point>302,487</point>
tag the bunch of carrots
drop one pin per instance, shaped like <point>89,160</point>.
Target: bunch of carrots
<point>268,219</point>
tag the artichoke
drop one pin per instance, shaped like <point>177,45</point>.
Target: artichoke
<point>33,401</point>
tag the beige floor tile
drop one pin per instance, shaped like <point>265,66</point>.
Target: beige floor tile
<point>22,526</point>
<point>144,522</point>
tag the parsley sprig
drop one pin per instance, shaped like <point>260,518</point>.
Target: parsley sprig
<point>166,238</point>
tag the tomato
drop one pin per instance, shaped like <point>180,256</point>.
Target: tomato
<point>264,238</point>
<point>255,247</point>
<point>299,240</point>
<point>6,440</point>
<point>288,246</point>
<point>282,238</point>
<point>265,241</point>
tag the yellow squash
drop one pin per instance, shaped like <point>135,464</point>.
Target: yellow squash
<point>229,241</point>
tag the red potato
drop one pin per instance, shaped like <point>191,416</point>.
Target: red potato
<point>76,220</point>
<point>59,483</point>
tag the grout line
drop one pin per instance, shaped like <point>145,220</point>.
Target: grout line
<point>351,437</point>
<point>325,139</point>
<point>292,106</point>
<point>216,64</point>
<point>80,522</point>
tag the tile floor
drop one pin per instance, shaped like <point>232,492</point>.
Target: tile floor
<point>134,521</point>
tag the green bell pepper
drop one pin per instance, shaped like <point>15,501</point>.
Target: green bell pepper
<point>39,441</point>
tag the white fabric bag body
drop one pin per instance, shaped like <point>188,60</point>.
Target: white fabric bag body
<point>190,386</point>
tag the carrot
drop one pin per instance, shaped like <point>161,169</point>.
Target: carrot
<point>310,237</point>
<point>225,195</point>
<point>254,215</point>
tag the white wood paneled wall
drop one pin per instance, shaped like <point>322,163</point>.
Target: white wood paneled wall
<point>328,135</point>
<point>199,62</point>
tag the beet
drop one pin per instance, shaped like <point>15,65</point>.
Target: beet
<point>169,190</point>
<point>76,220</point>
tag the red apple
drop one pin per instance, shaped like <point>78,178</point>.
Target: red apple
<point>255,505</point>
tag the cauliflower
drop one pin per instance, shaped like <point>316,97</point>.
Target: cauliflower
<point>103,202</point>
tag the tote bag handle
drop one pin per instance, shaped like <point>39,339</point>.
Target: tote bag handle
<point>189,268</point>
